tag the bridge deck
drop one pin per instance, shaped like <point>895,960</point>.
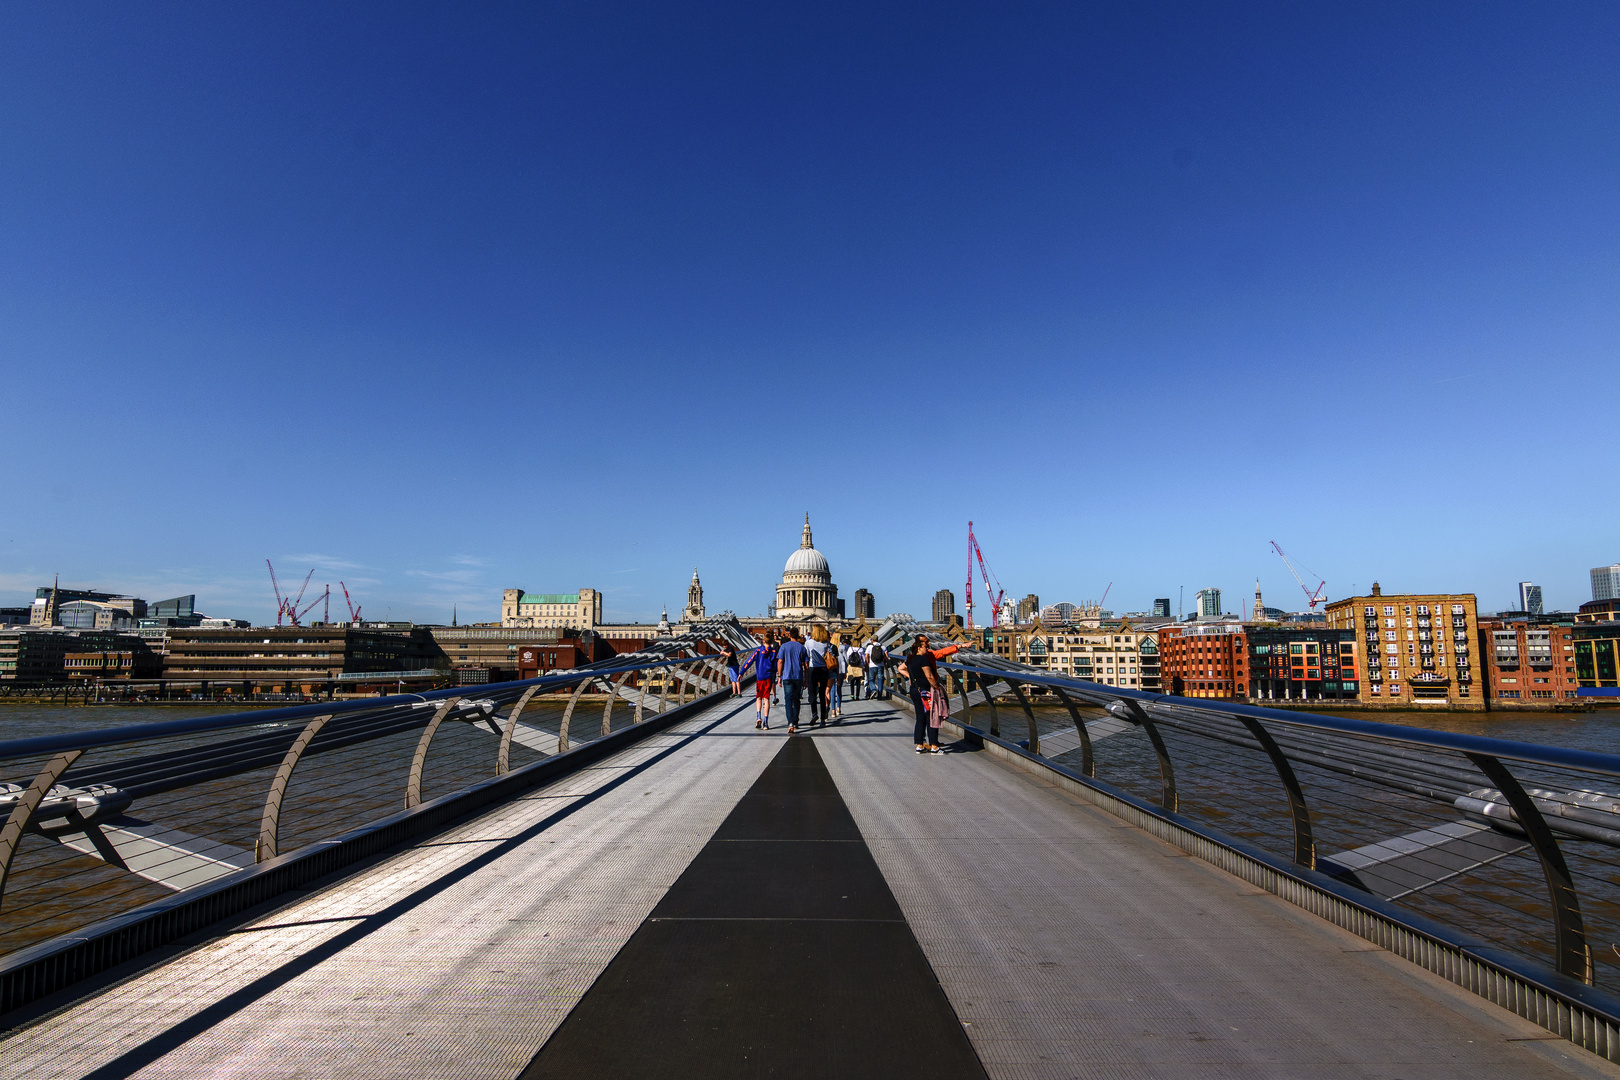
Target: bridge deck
<point>1067,943</point>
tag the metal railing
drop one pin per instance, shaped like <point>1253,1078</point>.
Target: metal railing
<point>217,795</point>
<point>1505,854</point>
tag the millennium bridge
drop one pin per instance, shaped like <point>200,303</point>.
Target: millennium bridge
<point>611,872</point>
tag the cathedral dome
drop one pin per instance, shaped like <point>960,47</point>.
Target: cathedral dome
<point>807,561</point>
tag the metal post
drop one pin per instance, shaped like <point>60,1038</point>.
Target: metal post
<point>1029,714</point>
<point>663,694</point>
<point>1574,955</point>
<point>413,787</point>
<point>613,695</point>
<point>1088,764</point>
<point>270,818</point>
<point>568,713</point>
<point>990,700</point>
<point>11,835</point>
<point>1304,841</point>
<point>511,725</point>
<point>1167,772</point>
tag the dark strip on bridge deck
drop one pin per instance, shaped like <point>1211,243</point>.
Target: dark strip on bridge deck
<point>780,952</point>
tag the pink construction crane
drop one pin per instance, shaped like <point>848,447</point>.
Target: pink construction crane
<point>1311,598</point>
<point>995,593</point>
<point>354,612</point>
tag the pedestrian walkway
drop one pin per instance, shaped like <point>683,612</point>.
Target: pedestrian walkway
<point>719,901</point>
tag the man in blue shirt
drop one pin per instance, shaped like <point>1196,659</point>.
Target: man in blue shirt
<point>791,660</point>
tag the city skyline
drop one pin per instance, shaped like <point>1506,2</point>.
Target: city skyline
<point>442,303</point>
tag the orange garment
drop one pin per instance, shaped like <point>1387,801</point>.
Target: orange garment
<point>940,654</point>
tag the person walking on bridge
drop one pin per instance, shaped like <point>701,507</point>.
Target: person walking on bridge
<point>728,656</point>
<point>818,647</point>
<point>854,671</point>
<point>763,660</point>
<point>791,662</point>
<point>922,675</point>
<point>877,670</point>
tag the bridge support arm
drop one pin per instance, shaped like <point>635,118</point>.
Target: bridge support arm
<point>413,787</point>
<point>568,714</point>
<point>1029,714</point>
<point>1131,709</point>
<point>11,835</point>
<point>1304,841</point>
<point>1088,763</point>
<point>1573,953</point>
<point>503,757</point>
<point>270,818</point>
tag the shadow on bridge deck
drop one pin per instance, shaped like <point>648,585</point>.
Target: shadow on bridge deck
<point>1065,942</point>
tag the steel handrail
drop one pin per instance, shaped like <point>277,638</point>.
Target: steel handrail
<point>1101,694</point>
<point>87,740</point>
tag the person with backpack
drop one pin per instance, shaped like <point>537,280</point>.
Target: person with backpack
<point>854,671</point>
<point>792,661</point>
<point>877,670</point>
<point>922,677</point>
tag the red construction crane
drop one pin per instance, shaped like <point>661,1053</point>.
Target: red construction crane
<point>354,612</point>
<point>309,606</point>
<point>293,613</point>
<point>995,593</point>
<point>1311,598</point>
<point>281,604</point>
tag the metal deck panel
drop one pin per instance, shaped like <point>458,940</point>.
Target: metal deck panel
<point>441,961</point>
<point>1072,944</point>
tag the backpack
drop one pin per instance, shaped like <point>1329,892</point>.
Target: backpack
<point>878,655</point>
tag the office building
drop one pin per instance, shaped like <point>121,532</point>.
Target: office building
<point>293,655</point>
<point>1598,611</point>
<point>944,605</point>
<point>36,655</point>
<point>865,605</point>
<point>1209,603</point>
<point>133,660</point>
<point>1597,658</point>
<point>1606,582</point>
<point>1530,598</point>
<point>49,599</point>
<point>1418,649</point>
<point>1029,608</point>
<point>1161,608</point>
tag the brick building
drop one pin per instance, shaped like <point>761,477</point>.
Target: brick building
<point>1204,660</point>
<point>1528,662</point>
<point>1419,649</point>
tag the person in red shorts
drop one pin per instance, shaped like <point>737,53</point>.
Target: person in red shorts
<point>764,661</point>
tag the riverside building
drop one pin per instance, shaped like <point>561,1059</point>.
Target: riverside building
<point>1418,648</point>
<point>1205,660</point>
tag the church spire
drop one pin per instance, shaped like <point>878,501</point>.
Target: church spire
<point>804,541</point>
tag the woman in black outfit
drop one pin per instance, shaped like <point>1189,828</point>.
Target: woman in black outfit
<point>922,674</point>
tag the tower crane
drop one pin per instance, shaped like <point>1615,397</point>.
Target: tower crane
<point>310,606</point>
<point>281,604</point>
<point>354,612</point>
<point>1311,598</point>
<point>995,593</point>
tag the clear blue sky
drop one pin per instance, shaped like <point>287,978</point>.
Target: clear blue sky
<point>441,299</point>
